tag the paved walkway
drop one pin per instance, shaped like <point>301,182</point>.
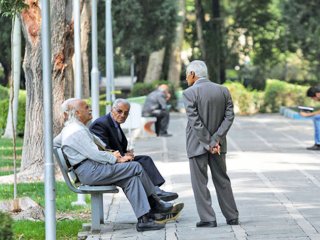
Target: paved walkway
<point>276,183</point>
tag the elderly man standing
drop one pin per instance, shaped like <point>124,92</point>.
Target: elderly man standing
<point>94,167</point>
<point>156,106</point>
<point>108,129</point>
<point>210,115</point>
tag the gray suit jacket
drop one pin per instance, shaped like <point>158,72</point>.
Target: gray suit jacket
<point>210,115</point>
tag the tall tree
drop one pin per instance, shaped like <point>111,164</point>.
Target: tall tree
<point>139,28</point>
<point>61,32</point>
<point>303,30</point>
<point>175,61</point>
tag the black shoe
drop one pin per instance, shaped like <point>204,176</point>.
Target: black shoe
<point>159,206</point>
<point>207,224</point>
<point>172,216</point>
<point>146,223</point>
<point>315,147</point>
<point>167,196</point>
<point>233,221</point>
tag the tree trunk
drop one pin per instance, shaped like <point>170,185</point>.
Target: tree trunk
<point>200,27</point>
<point>154,68</point>
<point>85,34</point>
<point>175,54</point>
<point>11,125</point>
<point>61,31</point>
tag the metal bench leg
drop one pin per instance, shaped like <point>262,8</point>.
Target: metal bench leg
<point>96,203</point>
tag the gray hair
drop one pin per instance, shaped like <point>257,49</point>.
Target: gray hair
<point>118,101</point>
<point>199,68</point>
<point>68,107</point>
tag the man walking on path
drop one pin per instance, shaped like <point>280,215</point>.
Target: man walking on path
<point>314,93</point>
<point>210,115</point>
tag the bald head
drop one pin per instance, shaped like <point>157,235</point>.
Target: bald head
<point>76,109</point>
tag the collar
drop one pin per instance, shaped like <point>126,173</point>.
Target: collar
<point>116,125</point>
<point>201,80</point>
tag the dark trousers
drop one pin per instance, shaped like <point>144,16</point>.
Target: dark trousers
<point>151,169</point>
<point>162,123</point>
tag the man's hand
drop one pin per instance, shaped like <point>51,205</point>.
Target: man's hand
<point>306,114</point>
<point>117,154</point>
<point>215,149</point>
<point>130,153</point>
<point>124,159</point>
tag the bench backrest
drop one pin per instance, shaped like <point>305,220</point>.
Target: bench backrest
<point>67,171</point>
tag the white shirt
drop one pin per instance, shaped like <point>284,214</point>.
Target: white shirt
<point>79,144</point>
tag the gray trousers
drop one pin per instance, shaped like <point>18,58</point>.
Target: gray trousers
<point>130,176</point>
<point>199,179</point>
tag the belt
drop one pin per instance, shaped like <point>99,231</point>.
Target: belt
<point>79,164</point>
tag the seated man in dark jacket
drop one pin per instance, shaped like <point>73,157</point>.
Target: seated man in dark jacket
<point>108,129</point>
<point>156,106</point>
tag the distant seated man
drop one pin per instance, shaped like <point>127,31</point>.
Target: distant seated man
<point>95,167</point>
<point>156,106</point>
<point>314,93</point>
<point>108,129</point>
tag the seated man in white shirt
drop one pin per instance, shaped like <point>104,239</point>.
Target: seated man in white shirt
<point>95,167</point>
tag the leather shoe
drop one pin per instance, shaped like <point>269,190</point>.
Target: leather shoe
<point>159,206</point>
<point>207,224</point>
<point>233,221</point>
<point>146,223</point>
<point>315,147</point>
<point>167,196</point>
<point>172,216</point>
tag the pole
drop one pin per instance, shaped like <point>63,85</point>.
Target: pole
<point>50,198</point>
<point>77,70</point>
<point>94,70</point>
<point>77,49</point>
<point>109,57</point>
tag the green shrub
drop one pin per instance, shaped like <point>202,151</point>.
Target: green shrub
<point>4,92</point>
<point>245,101</point>
<point>279,93</point>
<point>143,89</point>
<point>5,226</point>
<point>4,106</point>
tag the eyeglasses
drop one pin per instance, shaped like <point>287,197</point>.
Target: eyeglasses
<point>119,111</point>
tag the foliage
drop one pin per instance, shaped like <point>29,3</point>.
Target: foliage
<point>11,8</point>
<point>279,93</point>
<point>302,19</point>
<point>245,101</point>
<point>143,89</point>
<point>141,27</point>
<point>4,106</point>
<point>5,226</point>
<point>4,92</point>
<point>5,50</point>
<point>66,229</point>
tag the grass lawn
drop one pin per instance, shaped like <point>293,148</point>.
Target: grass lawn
<point>67,229</point>
<point>35,230</point>
<point>6,155</point>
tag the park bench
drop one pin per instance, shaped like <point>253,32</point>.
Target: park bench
<point>96,192</point>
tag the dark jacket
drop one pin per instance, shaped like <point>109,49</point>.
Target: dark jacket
<point>104,128</point>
